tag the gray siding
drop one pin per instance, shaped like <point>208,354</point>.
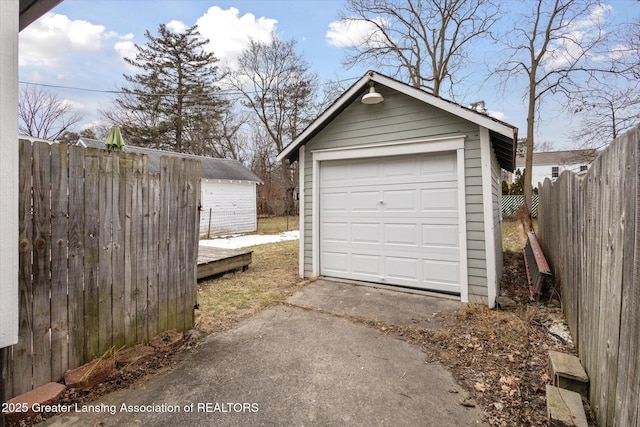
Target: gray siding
<point>402,118</point>
<point>496,197</point>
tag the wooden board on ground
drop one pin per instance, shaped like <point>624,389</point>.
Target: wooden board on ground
<point>212,261</point>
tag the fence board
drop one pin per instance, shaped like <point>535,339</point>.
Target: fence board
<point>21,352</point>
<point>92,223</point>
<point>141,222</point>
<point>181,222</point>
<point>59,268</point>
<point>152,254</point>
<point>193,209</point>
<point>91,253</point>
<point>118,238</point>
<point>163,245</point>
<point>76,255</point>
<point>41,263</point>
<point>129,301</point>
<point>598,269</point>
<point>105,268</point>
<point>173,274</point>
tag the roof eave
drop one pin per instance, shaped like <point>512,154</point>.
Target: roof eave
<point>495,125</point>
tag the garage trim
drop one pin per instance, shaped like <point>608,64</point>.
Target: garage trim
<point>396,148</point>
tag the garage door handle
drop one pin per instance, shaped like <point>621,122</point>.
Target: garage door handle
<point>381,201</point>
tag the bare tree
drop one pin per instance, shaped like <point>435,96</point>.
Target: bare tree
<point>275,83</point>
<point>552,46</point>
<point>606,112</point>
<point>42,114</point>
<point>424,42</point>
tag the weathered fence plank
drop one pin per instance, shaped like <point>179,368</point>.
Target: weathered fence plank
<point>141,224</point>
<point>59,268</point>
<point>118,238</point>
<point>91,253</point>
<point>41,263</point>
<point>128,291</point>
<point>598,269</point>
<point>76,255</point>
<point>152,254</point>
<point>105,266</point>
<point>20,376</point>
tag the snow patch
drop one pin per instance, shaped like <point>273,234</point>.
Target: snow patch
<point>237,242</point>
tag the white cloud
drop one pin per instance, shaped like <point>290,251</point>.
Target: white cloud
<point>499,115</point>
<point>352,32</point>
<point>229,33</point>
<point>576,36</point>
<point>53,37</point>
<point>177,26</point>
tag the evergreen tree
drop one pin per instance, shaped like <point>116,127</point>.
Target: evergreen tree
<point>174,93</point>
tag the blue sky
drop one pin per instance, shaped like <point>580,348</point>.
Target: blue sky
<point>81,43</point>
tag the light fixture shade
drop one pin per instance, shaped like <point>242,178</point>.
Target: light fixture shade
<point>372,97</point>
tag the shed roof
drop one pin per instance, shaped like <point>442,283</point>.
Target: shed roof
<point>212,168</point>
<point>502,134</point>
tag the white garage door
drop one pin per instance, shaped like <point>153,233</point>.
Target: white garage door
<point>391,220</point>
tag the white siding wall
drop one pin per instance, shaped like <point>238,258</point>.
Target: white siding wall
<point>402,118</point>
<point>541,172</point>
<point>9,173</point>
<point>228,207</point>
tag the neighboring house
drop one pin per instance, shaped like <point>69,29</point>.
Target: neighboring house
<point>405,192</point>
<point>14,17</point>
<point>228,190</point>
<point>552,163</point>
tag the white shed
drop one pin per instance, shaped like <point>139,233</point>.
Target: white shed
<point>400,187</point>
<point>228,191</point>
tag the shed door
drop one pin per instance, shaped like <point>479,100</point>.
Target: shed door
<point>391,220</point>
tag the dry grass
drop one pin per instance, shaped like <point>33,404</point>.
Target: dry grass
<point>513,235</point>
<point>272,276</point>
<point>278,224</point>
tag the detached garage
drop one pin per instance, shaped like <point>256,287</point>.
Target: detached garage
<point>403,188</point>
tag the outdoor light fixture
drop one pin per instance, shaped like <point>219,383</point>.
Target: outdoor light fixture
<point>372,97</point>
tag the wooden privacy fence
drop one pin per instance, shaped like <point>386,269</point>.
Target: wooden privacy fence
<point>107,256</point>
<point>589,232</point>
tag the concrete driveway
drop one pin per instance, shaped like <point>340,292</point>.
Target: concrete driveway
<point>301,364</point>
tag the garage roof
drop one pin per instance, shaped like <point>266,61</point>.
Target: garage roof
<point>212,168</point>
<point>503,135</point>
<point>30,10</point>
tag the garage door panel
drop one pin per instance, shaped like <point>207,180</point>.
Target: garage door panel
<point>335,232</point>
<point>401,234</point>
<point>333,174</point>
<point>402,268</point>
<point>438,199</point>
<point>400,168</point>
<point>364,171</point>
<point>366,264</point>
<point>335,202</point>
<point>335,262</point>
<point>400,200</point>
<point>366,233</point>
<point>399,218</point>
<point>441,271</point>
<point>364,201</point>
<point>440,235</point>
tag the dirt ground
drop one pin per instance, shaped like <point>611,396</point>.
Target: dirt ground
<point>501,356</point>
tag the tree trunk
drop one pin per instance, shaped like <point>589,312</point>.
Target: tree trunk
<point>528,189</point>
